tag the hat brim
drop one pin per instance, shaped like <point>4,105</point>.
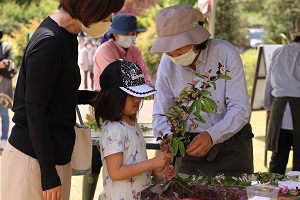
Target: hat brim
<point>117,31</point>
<point>196,35</point>
<point>139,91</point>
<point>296,34</point>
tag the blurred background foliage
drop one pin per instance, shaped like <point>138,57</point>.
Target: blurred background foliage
<point>19,18</point>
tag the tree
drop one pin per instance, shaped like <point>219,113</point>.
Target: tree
<point>12,14</point>
<point>17,21</point>
<point>230,23</point>
<point>279,19</point>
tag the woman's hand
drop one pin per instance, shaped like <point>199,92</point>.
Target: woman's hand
<point>200,145</point>
<point>53,194</point>
<point>167,172</point>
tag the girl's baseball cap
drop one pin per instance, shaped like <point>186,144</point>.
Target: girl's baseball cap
<point>127,76</point>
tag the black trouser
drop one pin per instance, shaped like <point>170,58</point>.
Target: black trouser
<point>232,157</point>
<point>85,79</point>
<point>280,158</point>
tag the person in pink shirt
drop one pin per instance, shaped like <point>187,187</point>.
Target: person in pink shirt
<point>123,32</point>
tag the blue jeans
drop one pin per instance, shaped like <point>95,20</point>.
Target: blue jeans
<point>5,122</point>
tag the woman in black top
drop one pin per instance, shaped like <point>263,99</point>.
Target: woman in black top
<point>45,99</point>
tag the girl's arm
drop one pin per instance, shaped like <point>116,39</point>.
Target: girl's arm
<point>117,171</point>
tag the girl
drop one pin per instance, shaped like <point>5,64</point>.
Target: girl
<point>126,169</point>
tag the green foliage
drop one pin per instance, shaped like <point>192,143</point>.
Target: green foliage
<point>249,59</point>
<point>279,19</point>
<point>17,21</point>
<point>146,39</point>
<point>191,101</point>
<point>231,25</point>
<point>13,15</point>
<point>18,40</point>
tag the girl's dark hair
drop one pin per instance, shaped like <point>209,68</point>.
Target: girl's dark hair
<point>109,105</point>
<point>202,45</point>
<point>91,11</point>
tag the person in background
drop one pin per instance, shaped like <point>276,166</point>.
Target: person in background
<point>7,72</point>
<point>41,142</point>
<point>86,62</point>
<point>282,101</point>
<point>81,40</point>
<point>123,33</point>
<point>126,168</point>
<point>224,143</point>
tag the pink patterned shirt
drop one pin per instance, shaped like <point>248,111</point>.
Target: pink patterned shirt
<point>111,51</point>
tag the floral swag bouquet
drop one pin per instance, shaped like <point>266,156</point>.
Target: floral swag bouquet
<point>192,100</point>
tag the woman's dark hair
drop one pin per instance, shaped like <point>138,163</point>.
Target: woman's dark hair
<point>109,105</point>
<point>1,34</point>
<point>91,11</point>
<point>111,36</point>
<point>202,45</point>
<point>296,39</point>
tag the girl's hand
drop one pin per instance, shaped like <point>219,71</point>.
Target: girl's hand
<point>167,172</point>
<point>164,146</point>
<point>161,160</point>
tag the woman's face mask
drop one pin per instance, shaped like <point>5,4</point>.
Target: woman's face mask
<point>97,29</point>
<point>126,41</point>
<point>184,59</point>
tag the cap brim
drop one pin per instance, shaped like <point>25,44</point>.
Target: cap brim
<point>139,91</point>
<point>196,35</point>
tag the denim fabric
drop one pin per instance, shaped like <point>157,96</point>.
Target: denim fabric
<point>5,122</point>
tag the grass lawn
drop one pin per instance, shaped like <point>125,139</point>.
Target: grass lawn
<point>258,121</point>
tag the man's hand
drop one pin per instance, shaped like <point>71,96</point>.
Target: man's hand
<point>53,194</point>
<point>200,145</point>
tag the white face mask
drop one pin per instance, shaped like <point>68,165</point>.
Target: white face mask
<point>97,29</point>
<point>126,41</point>
<point>184,59</point>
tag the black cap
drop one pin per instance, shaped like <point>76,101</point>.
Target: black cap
<point>127,76</point>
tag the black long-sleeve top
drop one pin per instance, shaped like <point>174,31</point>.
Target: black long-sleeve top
<point>45,99</point>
